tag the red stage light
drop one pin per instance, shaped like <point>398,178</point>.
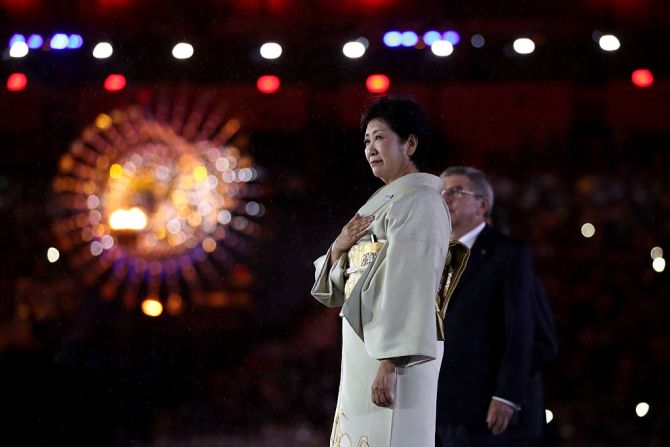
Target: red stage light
<point>642,78</point>
<point>268,84</point>
<point>17,82</point>
<point>115,82</point>
<point>378,83</point>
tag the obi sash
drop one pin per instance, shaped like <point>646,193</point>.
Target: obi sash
<point>360,257</point>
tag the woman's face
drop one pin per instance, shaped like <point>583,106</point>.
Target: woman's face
<point>388,155</point>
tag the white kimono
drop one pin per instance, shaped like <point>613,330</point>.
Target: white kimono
<point>391,312</point>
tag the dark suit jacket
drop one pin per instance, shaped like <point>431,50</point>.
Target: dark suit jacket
<point>532,419</point>
<point>488,331</point>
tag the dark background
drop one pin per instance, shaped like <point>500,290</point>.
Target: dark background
<point>565,135</point>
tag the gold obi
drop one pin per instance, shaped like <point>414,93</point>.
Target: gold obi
<point>361,256</point>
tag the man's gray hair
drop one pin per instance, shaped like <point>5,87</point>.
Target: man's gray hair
<point>480,182</point>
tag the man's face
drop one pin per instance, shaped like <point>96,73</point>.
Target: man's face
<point>466,207</point>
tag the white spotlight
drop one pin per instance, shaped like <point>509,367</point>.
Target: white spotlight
<point>656,252</point>
<point>271,50</point>
<point>642,409</point>
<point>658,264</point>
<point>18,49</point>
<point>442,48</point>
<point>549,415</point>
<point>353,50</point>
<point>53,254</point>
<point>524,46</point>
<point>103,50</point>
<point>609,42</point>
<point>588,230</point>
<point>182,50</point>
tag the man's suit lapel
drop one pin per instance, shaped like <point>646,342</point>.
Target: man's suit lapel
<point>479,253</point>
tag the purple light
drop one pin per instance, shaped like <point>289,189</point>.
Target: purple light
<point>75,41</point>
<point>452,37</point>
<point>35,41</point>
<point>430,37</point>
<point>409,39</point>
<point>392,39</point>
<point>59,41</point>
<point>16,38</point>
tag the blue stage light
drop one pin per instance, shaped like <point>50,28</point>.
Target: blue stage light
<point>35,41</point>
<point>430,37</point>
<point>59,41</point>
<point>392,39</point>
<point>409,39</point>
<point>75,41</point>
<point>452,37</point>
<point>16,38</point>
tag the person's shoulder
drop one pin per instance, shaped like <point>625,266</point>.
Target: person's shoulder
<point>420,187</point>
<point>419,198</point>
<point>421,208</point>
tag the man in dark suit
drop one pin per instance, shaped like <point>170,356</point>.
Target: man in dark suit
<point>488,346</point>
<point>532,419</point>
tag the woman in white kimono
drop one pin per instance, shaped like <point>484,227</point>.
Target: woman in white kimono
<point>384,270</point>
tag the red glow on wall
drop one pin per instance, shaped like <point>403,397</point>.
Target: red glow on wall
<point>17,82</point>
<point>268,84</point>
<point>375,3</point>
<point>115,82</point>
<point>365,7</point>
<point>277,5</point>
<point>18,4</point>
<point>144,96</point>
<point>378,83</point>
<point>643,78</point>
<point>112,3</point>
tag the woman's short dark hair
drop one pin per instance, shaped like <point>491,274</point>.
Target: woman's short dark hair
<point>405,117</point>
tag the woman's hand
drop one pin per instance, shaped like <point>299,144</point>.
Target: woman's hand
<point>350,234</point>
<point>384,384</point>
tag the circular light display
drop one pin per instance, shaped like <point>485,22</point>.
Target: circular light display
<point>159,203</point>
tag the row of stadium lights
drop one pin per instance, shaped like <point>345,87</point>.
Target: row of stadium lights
<point>441,45</point>
<point>376,83</point>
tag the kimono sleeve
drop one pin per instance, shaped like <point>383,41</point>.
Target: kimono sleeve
<point>328,286</point>
<point>400,298</point>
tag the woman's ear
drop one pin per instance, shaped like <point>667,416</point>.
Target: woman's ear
<point>412,143</point>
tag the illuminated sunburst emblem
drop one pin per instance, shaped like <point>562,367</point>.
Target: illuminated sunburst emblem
<point>156,206</point>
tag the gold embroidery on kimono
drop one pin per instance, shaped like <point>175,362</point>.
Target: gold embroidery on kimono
<point>361,256</point>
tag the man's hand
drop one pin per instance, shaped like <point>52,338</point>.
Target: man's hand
<point>498,416</point>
